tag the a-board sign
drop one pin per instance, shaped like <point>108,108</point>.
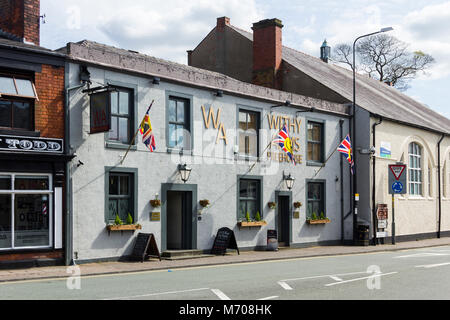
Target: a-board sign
<point>225,239</point>
<point>397,179</point>
<point>144,247</point>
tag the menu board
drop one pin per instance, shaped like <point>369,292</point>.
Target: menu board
<point>225,239</point>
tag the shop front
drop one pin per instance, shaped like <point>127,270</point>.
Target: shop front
<point>31,201</point>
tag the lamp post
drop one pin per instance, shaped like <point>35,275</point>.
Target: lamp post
<point>353,133</point>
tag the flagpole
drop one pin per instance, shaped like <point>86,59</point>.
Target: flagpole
<point>137,131</point>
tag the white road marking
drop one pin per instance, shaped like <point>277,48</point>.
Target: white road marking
<point>156,294</point>
<point>424,254</point>
<point>269,298</point>
<point>220,294</point>
<point>433,265</point>
<point>284,285</point>
<point>371,276</point>
<point>335,278</point>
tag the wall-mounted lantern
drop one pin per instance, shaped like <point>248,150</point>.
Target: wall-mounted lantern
<point>289,180</point>
<point>185,172</point>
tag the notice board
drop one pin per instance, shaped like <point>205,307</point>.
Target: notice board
<point>144,247</point>
<point>225,239</point>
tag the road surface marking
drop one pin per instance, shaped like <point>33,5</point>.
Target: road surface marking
<point>220,294</point>
<point>284,285</point>
<point>371,276</point>
<point>156,294</point>
<point>269,298</point>
<point>423,254</point>
<point>433,265</point>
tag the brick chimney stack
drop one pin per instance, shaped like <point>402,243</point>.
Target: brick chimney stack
<point>21,18</point>
<point>267,53</point>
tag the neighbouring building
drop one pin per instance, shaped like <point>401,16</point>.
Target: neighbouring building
<point>395,125</point>
<point>33,154</point>
<point>219,128</point>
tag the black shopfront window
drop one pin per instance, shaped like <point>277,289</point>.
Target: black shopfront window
<point>25,211</point>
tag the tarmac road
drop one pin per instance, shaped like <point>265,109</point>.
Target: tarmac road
<point>422,273</point>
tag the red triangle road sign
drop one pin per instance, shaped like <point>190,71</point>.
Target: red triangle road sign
<point>397,170</point>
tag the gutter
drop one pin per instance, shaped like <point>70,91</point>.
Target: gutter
<point>68,255</point>
<point>341,137</point>
<point>374,209</point>
<point>439,185</point>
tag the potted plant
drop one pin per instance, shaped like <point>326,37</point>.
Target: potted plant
<point>119,225</point>
<point>272,205</point>
<point>321,219</point>
<point>248,222</point>
<point>204,203</point>
<point>297,204</point>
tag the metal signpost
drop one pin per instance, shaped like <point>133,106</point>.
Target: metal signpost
<point>397,185</point>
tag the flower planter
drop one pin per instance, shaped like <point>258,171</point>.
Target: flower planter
<point>323,221</point>
<point>249,224</point>
<point>123,227</point>
<point>156,203</point>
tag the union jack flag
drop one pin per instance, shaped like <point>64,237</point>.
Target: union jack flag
<point>146,130</point>
<point>285,143</point>
<point>346,149</point>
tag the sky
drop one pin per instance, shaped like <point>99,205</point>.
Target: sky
<point>167,29</point>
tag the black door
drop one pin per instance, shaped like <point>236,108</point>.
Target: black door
<point>179,220</point>
<point>283,225</point>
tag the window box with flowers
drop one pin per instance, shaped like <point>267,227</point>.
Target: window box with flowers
<point>119,225</point>
<point>248,223</point>
<point>314,219</point>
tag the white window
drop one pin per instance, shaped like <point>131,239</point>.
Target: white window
<point>415,169</point>
<point>25,211</point>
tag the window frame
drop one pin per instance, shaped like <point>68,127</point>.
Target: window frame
<point>248,110</point>
<point>13,192</point>
<point>323,201</point>
<point>417,171</point>
<point>321,143</point>
<point>133,189</point>
<point>17,95</point>
<point>13,99</point>
<point>188,98</point>
<point>133,117</point>
<point>259,195</point>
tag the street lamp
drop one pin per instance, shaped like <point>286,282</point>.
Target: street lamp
<point>353,131</point>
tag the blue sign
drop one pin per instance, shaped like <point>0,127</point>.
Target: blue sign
<point>397,187</point>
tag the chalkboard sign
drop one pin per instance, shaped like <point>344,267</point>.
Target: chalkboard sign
<point>144,247</point>
<point>272,234</point>
<point>225,239</point>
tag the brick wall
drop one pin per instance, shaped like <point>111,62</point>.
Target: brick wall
<point>21,18</point>
<point>49,110</point>
<point>267,53</point>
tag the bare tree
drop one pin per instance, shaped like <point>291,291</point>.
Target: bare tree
<point>385,58</point>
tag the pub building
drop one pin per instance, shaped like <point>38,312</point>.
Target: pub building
<point>214,165</point>
<point>33,157</point>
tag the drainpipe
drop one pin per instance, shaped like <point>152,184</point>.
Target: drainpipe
<point>374,209</point>
<point>439,184</point>
<point>341,134</point>
<point>69,217</point>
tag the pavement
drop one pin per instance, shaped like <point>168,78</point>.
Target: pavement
<point>232,257</point>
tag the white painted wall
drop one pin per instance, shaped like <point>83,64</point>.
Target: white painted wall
<point>214,170</point>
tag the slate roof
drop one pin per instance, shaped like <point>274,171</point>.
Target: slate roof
<point>371,95</point>
<point>132,61</point>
